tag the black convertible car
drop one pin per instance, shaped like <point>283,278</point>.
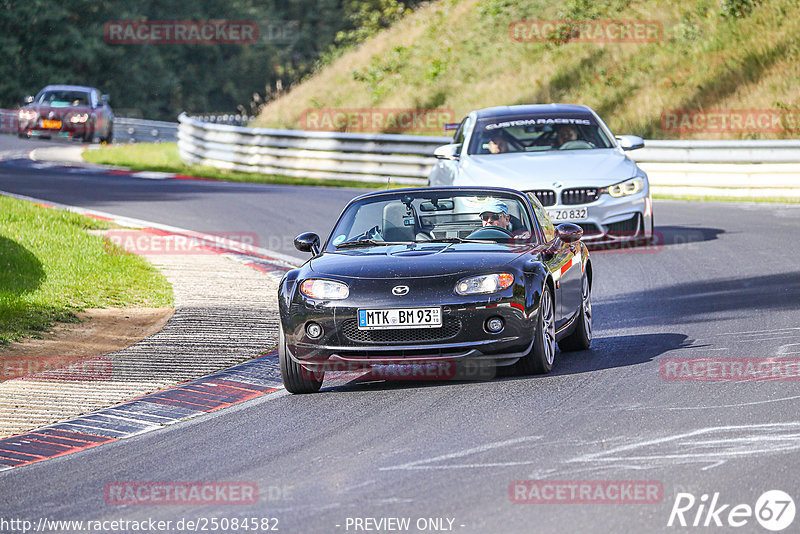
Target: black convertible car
<point>430,275</point>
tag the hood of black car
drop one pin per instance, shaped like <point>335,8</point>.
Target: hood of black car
<point>416,260</point>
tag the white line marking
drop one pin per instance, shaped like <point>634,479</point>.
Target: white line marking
<point>419,464</point>
<point>712,466</point>
<point>597,455</point>
<point>783,348</point>
<point>152,175</point>
<point>759,331</point>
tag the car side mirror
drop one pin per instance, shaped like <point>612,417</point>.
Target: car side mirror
<point>308,242</point>
<point>450,151</point>
<point>28,99</point>
<point>630,142</point>
<point>568,232</point>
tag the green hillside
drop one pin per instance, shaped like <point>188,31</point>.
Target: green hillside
<point>459,55</point>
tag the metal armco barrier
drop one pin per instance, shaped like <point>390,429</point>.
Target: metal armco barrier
<point>144,131</point>
<point>8,120</point>
<point>673,166</point>
<point>756,151</point>
<point>404,159</point>
<point>769,168</point>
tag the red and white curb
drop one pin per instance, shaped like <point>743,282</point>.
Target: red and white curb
<point>68,159</point>
<point>243,382</point>
<point>156,175</point>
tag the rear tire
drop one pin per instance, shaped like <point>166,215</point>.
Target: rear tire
<point>542,355</point>
<point>295,378</point>
<point>581,337</point>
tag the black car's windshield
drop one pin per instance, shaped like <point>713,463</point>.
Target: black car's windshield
<point>63,98</point>
<point>427,216</point>
<point>537,133</point>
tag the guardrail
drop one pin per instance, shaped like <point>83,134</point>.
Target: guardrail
<point>403,159</point>
<point>143,131</point>
<point>8,120</point>
<point>684,151</point>
<point>225,118</point>
<point>673,166</point>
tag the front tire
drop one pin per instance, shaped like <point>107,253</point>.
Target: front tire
<point>295,378</point>
<point>88,137</point>
<point>109,135</point>
<point>542,355</point>
<point>581,337</point>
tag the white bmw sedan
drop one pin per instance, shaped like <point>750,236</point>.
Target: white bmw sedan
<point>565,155</point>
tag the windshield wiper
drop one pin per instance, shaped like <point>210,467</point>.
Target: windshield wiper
<point>369,242</point>
<point>456,240</point>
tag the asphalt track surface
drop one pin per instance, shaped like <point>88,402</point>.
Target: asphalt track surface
<point>725,284</point>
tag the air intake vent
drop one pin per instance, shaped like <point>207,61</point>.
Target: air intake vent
<point>401,336</point>
<point>546,197</point>
<point>579,195</point>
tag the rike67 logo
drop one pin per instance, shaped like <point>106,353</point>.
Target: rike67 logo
<point>774,510</point>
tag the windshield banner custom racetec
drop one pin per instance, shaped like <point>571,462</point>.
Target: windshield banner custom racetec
<point>537,122</point>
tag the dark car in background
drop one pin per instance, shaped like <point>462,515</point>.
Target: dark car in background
<point>67,111</point>
<point>429,275</point>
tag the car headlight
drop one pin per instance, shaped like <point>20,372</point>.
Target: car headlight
<point>487,283</point>
<point>623,189</point>
<point>316,288</point>
<point>79,118</point>
<point>27,114</point>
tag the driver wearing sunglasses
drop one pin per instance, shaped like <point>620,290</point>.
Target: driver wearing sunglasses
<point>495,213</point>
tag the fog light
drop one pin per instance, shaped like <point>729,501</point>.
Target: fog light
<point>494,324</point>
<point>313,330</point>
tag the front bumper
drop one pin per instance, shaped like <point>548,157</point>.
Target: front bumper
<point>463,335</point>
<point>34,128</point>
<point>612,220</point>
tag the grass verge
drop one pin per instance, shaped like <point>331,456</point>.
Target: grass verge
<point>460,55</point>
<point>163,157</point>
<point>51,267</point>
